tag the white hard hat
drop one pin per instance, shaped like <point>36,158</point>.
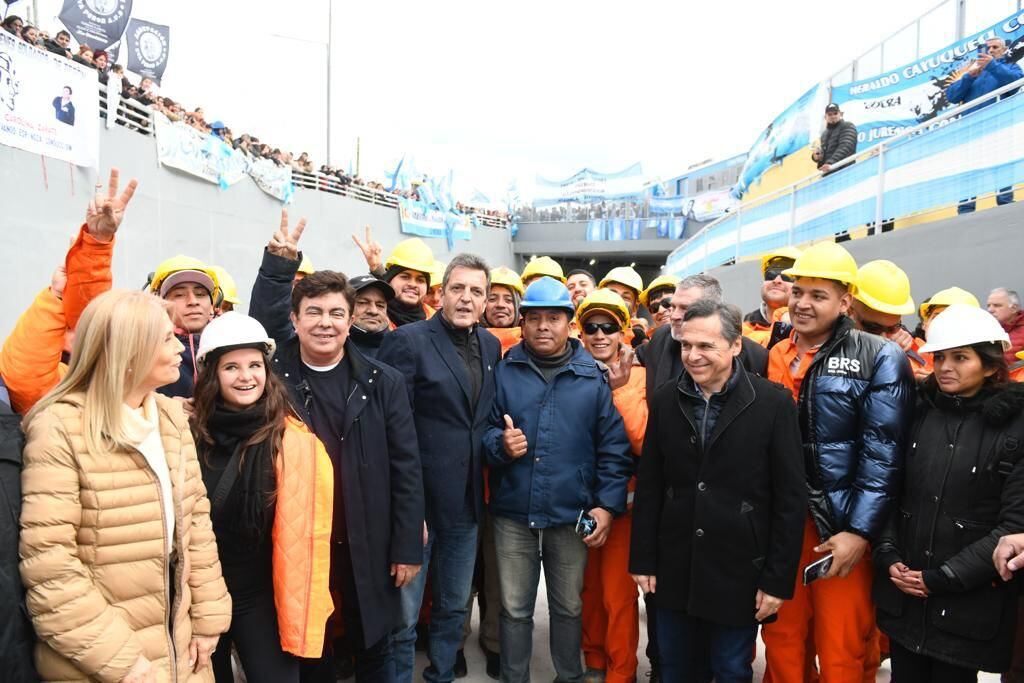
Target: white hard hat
<point>233,330</point>
<point>963,325</point>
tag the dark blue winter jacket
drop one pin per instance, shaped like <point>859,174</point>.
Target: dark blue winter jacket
<point>579,455</point>
<point>856,404</point>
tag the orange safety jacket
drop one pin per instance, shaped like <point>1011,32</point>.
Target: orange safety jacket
<point>30,360</point>
<point>760,333</point>
<point>304,513</point>
<point>631,402</point>
<point>1017,372</point>
<point>508,336</point>
<point>919,362</point>
<point>426,309</point>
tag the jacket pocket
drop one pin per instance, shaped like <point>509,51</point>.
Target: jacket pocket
<point>975,615</point>
<point>968,531</point>
<point>747,511</point>
<point>586,478</point>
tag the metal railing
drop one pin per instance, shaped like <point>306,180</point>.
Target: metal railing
<point>770,203</point>
<point>950,29</point>
<point>138,118</point>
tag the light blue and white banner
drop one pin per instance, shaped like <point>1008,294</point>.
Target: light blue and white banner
<point>48,105</point>
<point>417,218</point>
<point>273,179</point>
<point>205,156</point>
<point>791,130</point>
<point>675,205</point>
<point>713,204</point>
<point>971,156</point>
<point>887,104</point>
<point>588,186</point>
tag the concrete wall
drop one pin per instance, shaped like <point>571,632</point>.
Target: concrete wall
<point>978,252</point>
<point>44,202</point>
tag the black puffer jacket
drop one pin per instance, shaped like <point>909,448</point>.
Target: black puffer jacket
<point>837,142</point>
<point>963,490</point>
<point>17,639</point>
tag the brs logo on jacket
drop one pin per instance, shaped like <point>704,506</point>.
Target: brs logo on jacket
<point>840,365</point>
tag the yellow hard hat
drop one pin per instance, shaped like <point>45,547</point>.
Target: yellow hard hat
<point>413,254</point>
<point>227,285</point>
<point>948,297</point>
<point>606,301</point>
<point>306,267</point>
<point>826,260</point>
<point>543,265</point>
<point>791,253</point>
<point>437,273</point>
<point>660,282</point>
<point>624,275</point>
<point>508,278</point>
<point>180,268</point>
<point>883,287</point>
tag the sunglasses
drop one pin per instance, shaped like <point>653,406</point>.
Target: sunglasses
<point>660,304</point>
<point>772,273</point>
<point>607,328</point>
<point>876,329</point>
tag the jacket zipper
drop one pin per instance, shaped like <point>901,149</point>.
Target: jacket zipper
<point>169,621</point>
<point>950,449</point>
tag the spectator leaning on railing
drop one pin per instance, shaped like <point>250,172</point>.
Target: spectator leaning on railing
<point>990,71</point>
<point>838,140</point>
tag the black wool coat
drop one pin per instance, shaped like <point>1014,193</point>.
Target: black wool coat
<point>715,524</point>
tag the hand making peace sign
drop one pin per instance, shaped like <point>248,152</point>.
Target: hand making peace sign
<point>285,243</point>
<point>104,215</point>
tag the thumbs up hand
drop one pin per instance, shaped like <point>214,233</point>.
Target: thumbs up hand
<point>514,440</point>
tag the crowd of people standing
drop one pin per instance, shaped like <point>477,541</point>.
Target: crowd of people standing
<point>296,492</point>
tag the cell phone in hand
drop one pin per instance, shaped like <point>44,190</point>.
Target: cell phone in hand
<point>817,569</point>
<point>585,524</point>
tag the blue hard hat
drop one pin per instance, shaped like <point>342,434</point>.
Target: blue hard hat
<point>547,292</point>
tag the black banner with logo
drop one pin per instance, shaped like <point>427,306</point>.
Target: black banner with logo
<point>96,23</point>
<point>148,46</point>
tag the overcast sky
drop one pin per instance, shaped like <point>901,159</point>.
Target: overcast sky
<point>501,91</point>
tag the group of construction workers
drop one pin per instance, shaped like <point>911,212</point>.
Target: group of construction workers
<point>484,424</point>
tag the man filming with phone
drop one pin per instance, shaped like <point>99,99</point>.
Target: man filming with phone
<point>720,503</point>
<point>560,464</point>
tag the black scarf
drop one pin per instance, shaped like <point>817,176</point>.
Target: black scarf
<point>548,366</point>
<point>249,505</point>
<point>364,339</point>
<point>400,314</point>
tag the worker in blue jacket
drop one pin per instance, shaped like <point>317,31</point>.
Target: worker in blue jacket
<point>559,466</point>
<point>990,71</point>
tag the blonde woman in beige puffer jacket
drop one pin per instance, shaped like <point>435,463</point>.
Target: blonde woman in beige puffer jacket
<point>117,552</point>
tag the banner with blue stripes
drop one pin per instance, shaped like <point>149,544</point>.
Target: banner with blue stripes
<point>887,104</point>
<point>417,218</point>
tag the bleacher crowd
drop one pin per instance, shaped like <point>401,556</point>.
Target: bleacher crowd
<point>146,93</point>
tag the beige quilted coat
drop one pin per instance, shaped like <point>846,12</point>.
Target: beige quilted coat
<point>93,554</point>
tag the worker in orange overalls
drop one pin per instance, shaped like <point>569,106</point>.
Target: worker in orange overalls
<point>611,617</point>
<point>855,396</point>
<point>409,269</point>
<point>757,325</point>
<point>501,313</point>
<point>628,284</point>
<point>657,299</point>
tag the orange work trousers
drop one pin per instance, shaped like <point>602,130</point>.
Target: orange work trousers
<point>611,615</point>
<point>836,615</point>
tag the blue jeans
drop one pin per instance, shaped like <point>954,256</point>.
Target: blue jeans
<point>695,650</point>
<point>521,551</point>
<point>450,554</point>
<point>1005,196</point>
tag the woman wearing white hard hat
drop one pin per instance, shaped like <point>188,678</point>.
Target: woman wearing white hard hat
<point>271,487</point>
<point>936,591</point>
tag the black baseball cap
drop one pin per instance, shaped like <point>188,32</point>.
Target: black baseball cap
<point>361,282</point>
<point>832,107</point>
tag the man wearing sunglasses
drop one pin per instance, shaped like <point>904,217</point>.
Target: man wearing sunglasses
<point>657,298</point>
<point>880,300</point>
<point>757,325</point>
<point>611,618</point>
